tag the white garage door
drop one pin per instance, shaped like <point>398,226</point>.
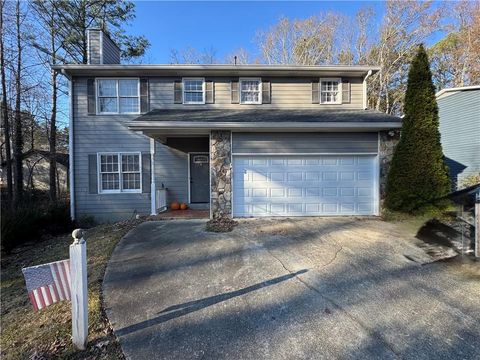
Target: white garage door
<point>304,185</point>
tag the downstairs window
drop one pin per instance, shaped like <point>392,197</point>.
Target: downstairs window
<point>119,172</point>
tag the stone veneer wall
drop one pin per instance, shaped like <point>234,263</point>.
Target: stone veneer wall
<point>388,141</point>
<point>221,174</point>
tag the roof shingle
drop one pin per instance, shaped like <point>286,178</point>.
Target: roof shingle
<point>269,115</point>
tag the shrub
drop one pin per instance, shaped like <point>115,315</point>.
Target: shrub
<point>86,221</point>
<point>19,226</point>
<point>418,176</point>
<point>30,221</point>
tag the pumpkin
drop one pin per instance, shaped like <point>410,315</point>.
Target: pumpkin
<point>183,206</point>
<point>174,205</point>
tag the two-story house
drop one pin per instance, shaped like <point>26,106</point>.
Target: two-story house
<point>240,140</point>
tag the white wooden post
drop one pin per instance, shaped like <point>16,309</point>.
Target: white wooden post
<point>477,224</point>
<point>78,276</point>
<point>153,186</point>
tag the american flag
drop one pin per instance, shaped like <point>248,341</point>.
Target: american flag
<point>48,283</point>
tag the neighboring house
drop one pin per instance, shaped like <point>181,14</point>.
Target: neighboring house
<point>459,112</point>
<point>242,140</point>
<point>36,171</point>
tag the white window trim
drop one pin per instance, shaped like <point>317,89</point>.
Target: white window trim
<point>97,95</point>
<point>339,97</point>
<point>120,179</point>
<point>183,91</point>
<point>259,102</point>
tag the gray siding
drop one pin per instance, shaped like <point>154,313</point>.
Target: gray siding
<point>294,93</point>
<point>93,134</point>
<point>94,47</point>
<point>101,49</point>
<point>111,53</point>
<point>460,132</point>
<point>109,133</point>
<point>296,143</point>
<point>171,171</point>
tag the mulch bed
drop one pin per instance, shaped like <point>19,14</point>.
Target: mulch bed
<point>221,225</point>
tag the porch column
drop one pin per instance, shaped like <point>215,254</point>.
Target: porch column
<point>220,174</point>
<point>153,189</point>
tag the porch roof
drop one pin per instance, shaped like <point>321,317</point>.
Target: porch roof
<point>265,120</point>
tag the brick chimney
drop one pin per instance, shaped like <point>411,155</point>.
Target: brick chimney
<point>101,49</point>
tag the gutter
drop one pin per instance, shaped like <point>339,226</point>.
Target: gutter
<point>457,89</point>
<point>365,100</point>
<point>70,145</point>
<point>216,67</point>
<point>299,126</point>
<point>220,70</point>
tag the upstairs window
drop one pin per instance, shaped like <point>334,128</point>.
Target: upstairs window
<point>330,91</point>
<point>194,91</point>
<point>250,91</point>
<point>118,96</point>
<point>119,172</point>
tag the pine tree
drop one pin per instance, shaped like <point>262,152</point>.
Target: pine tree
<point>418,176</point>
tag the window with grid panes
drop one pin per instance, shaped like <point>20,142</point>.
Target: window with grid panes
<point>118,96</point>
<point>193,91</point>
<point>250,92</point>
<point>120,172</point>
<point>330,91</point>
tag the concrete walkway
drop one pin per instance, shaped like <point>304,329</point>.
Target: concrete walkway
<point>288,289</point>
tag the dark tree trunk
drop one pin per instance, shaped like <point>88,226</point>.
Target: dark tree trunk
<point>5,113</point>
<point>53,118</point>
<point>83,21</point>
<point>53,140</point>
<point>18,144</point>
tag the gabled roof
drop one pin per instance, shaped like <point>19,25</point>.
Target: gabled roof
<point>266,119</point>
<point>214,69</point>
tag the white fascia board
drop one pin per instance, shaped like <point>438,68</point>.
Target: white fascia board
<point>463,88</point>
<point>172,125</point>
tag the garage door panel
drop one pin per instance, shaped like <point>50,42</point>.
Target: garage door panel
<point>304,185</point>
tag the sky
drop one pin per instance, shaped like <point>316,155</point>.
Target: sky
<point>225,26</point>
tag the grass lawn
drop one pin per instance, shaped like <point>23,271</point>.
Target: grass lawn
<point>47,333</point>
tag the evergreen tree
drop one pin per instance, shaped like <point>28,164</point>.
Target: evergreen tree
<point>418,175</point>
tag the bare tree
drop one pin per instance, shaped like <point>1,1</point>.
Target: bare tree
<point>241,56</point>
<point>18,143</point>
<point>456,57</point>
<point>404,25</point>
<point>301,42</point>
<point>191,55</point>
<point>48,16</point>
<point>364,27</point>
<point>5,112</point>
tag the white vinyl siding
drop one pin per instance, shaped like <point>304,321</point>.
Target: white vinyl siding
<point>193,91</point>
<point>118,96</point>
<point>250,91</point>
<point>331,91</point>
<point>119,172</point>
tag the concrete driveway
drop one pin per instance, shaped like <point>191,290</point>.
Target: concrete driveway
<point>288,289</point>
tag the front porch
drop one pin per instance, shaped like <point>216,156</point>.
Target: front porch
<point>200,176</point>
<point>183,214</point>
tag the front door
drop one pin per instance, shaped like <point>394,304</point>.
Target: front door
<point>199,178</point>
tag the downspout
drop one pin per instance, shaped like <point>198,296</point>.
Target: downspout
<point>70,145</point>
<point>365,99</point>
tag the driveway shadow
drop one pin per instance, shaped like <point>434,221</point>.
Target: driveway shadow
<point>175,311</point>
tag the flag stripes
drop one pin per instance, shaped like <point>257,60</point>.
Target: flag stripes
<point>48,283</point>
